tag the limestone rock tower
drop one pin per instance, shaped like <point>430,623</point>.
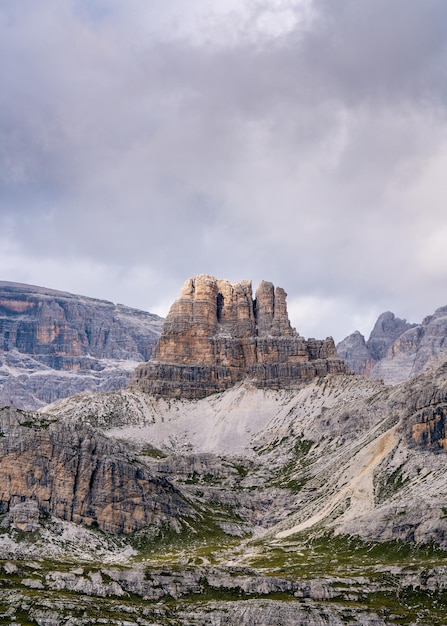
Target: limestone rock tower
<point>216,335</point>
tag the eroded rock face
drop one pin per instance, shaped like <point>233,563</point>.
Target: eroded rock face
<point>216,335</point>
<point>24,516</point>
<point>354,351</point>
<point>425,425</point>
<point>386,330</point>
<point>362,356</point>
<point>74,473</point>
<point>54,344</point>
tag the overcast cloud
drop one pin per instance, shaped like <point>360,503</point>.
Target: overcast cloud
<point>298,141</point>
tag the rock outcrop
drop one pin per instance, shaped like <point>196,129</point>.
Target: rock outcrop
<point>346,452</point>
<point>54,344</point>
<point>216,335</point>
<point>75,473</point>
<point>354,351</point>
<point>386,330</point>
<point>317,474</point>
<point>362,356</point>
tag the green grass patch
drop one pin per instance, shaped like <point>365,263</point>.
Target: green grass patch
<point>310,556</point>
<point>390,485</point>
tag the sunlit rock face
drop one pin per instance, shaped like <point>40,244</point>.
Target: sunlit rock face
<point>216,334</point>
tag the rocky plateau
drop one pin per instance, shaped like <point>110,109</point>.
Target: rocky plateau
<point>54,344</point>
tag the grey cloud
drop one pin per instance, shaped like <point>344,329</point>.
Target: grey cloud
<point>300,158</point>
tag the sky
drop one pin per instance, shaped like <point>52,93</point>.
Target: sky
<point>302,142</point>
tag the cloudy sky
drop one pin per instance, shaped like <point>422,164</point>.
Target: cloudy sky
<point>298,141</point>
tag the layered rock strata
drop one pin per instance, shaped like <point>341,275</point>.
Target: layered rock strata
<point>74,473</point>
<point>54,344</point>
<point>216,335</point>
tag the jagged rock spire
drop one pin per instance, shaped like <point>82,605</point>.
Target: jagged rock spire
<point>216,334</point>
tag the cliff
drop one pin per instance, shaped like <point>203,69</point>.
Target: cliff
<point>279,500</point>
<point>74,473</point>
<point>54,344</point>
<point>216,335</point>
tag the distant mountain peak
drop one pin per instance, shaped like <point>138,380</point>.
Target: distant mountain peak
<point>397,350</point>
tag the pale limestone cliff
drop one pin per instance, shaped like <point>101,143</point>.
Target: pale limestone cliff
<point>397,351</point>
<point>363,356</point>
<point>216,335</point>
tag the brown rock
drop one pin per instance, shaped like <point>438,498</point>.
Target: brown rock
<point>216,335</point>
<point>75,473</point>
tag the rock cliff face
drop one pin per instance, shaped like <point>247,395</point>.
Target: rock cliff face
<point>54,344</point>
<point>267,490</point>
<point>354,351</point>
<point>73,472</point>
<point>342,452</point>
<point>216,335</point>
<point>421,348</point>
<point>386,331</point>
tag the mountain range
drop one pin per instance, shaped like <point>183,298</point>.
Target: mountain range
<point>245,475</point>
<point>397,350</point>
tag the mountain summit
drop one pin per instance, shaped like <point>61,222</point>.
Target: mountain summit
<point>216,334</point>
<point>397,350</point>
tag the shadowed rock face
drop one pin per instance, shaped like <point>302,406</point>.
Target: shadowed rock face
<point>62,330</point>
<point>216,335</point>
<point>362,356</point>
<point>396,350</point>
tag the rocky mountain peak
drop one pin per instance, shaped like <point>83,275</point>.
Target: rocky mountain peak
<point>354,351</point>
<point>438,314</point>
<point>385,332</point>
<point>397,350</point>
<point>216,334</point>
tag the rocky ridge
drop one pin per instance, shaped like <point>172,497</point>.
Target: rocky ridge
<point>54,344</point>
<point>323,437</point>
<point>397,350</point>
<point>74,473</point>
<point>216,335</point>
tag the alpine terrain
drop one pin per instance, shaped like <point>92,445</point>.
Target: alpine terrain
<point>245,476</point>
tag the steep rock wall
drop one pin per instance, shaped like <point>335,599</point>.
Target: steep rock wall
<point>216,334</point>
<point>65,332</point>
<point>74,473</point>
<point>54,344</point>
<point>397,351</point>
